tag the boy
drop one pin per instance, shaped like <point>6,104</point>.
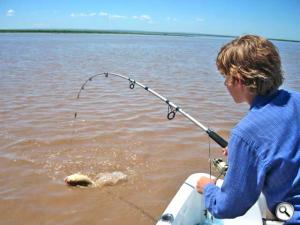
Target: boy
<point>264,147</point>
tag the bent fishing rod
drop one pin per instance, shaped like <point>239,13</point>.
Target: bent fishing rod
<point>172,108</point>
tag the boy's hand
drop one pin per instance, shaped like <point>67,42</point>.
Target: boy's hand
<point>225,151</point>
<point>202,182</point>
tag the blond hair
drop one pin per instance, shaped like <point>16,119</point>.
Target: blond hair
<point>254,60</point>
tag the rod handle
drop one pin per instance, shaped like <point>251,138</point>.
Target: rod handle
<point>217,138</point>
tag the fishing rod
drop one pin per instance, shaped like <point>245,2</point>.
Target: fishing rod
<point>172,108</point>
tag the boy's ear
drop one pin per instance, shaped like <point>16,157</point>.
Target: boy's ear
<point>239,80</point>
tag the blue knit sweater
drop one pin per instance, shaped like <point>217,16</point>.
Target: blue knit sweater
<point>263,156</point>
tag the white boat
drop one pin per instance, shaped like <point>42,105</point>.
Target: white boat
<point>187,208</point>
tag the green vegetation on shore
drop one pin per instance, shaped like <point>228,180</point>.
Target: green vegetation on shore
<point>83,31</point>
<point>86,31</point>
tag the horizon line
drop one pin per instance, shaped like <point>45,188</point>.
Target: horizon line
<point>139,32</point>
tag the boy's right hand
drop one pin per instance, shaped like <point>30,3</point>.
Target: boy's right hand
<point>225,151</point>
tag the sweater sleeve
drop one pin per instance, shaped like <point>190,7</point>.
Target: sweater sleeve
<point>242,184</point>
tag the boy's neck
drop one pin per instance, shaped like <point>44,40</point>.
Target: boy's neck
<point>249,97</point>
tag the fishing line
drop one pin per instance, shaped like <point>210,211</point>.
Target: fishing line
<point>132,205</point>
<point>209,158</point>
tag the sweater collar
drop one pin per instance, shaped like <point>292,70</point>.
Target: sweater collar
<point>261,100</point>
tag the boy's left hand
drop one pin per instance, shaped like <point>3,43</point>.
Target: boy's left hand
<point>202,182</point>
<point>225,151</point>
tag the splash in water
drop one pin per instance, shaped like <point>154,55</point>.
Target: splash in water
<point>102,179</point>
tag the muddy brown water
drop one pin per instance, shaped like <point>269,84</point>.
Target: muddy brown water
<point>117,129</point>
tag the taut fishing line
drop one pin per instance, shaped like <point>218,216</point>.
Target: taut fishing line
<point>132,205</point>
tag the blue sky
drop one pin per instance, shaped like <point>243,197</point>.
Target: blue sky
<point>269,18</point>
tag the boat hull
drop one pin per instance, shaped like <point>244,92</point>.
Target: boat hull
<point>188,208</point>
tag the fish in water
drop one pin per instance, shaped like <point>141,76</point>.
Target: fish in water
<point>102,179</point>
<point>78,179</point>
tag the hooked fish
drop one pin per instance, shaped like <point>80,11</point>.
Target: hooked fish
<point>102,179</point>
<point>78,179</point>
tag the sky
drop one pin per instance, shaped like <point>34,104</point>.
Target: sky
<point>269,18</point>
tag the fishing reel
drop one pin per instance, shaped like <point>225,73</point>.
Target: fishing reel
<point>220,166</point>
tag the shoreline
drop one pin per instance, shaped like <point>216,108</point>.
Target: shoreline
<point>87,31</point>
